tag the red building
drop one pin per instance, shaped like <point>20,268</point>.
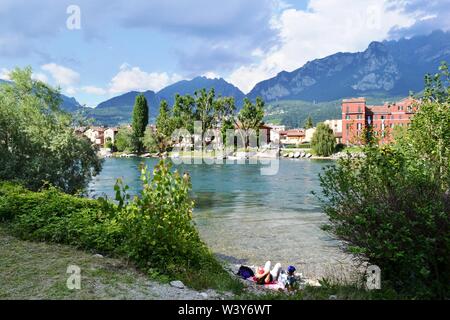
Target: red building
<point>356,116</point>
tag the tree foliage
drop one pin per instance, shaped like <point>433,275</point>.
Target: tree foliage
<point>250,117</point>
<point>323,141</point>
<point>37,140</point>
<point>139,121</point>
<point>124,140</point>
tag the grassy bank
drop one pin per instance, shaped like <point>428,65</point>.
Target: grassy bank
<point>38,270</point>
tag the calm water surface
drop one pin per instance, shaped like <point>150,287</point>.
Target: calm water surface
<point>250,218</point>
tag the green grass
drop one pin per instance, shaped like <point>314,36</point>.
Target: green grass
<point>38,270</point>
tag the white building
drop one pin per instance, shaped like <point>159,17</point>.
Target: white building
<point>110,134</point>
<point>335,125</point>
<point>96,135</point>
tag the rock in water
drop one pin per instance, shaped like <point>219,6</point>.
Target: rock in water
<point>177,284</point>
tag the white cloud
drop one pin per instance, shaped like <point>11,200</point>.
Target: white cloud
<point>324,28</point>
<point>133,78</point>
<point>71,90</point>
<point>40,76</point>
<point>211,75</point>
<point>4,74</point>
<point>94,90</point>
<point>63,76</point>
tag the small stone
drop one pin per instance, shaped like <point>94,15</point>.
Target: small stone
<point>204,295</point>
<point>97,256</point>
<point>177,284</point>
<point>332,297</point>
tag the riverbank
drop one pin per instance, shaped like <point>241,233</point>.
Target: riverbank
<point>38,270</point>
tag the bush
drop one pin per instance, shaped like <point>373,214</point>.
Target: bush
<point>393,216</point>
<point>159,222</point>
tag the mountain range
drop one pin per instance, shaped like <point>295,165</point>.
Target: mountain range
<point>388,68</point>
<point>383,71</point>
<point>118,109</point>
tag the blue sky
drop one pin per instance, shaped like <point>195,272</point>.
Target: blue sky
<point>146,45</point>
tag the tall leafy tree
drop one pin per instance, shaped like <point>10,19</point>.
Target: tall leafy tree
<point>204,101</point>
<point>323,142</point>
<point>250,117</point>
<point>124,140</point>
<point>38,144</point>
<point>183,113</point>
<point>139,121</point>
<point>164,127</point>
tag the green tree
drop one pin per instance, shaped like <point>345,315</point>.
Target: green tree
<point>183,113</point>
<point>124,140</point>
<point>150,141</point>
<point>250,117</point>
<point>323,142</point>
<point>139,121</point>
<point>204,111</point>
<point>164,126</point>
<point>429,133</point>
<point>309,123</point>
<point>38,144</point>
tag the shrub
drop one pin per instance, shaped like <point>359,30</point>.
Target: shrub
<point>158,223</point>
<point>392,215</point>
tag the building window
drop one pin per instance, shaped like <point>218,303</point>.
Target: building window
<point>359,126</point>
<point>348,117</point>
<point>347,109</point>
<point>359,109</point>
<point>359,116</point>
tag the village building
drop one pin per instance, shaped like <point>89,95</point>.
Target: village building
<point>357,115</point>
<point>294,136</point>
<point>96,135</point>
<point>110,135</point>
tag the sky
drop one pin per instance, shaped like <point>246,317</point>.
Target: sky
<point>97,49</point>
